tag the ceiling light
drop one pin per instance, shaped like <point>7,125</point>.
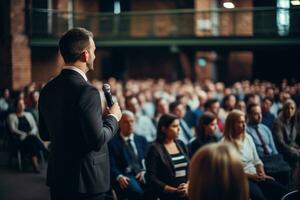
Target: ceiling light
<point>295,2</point>
<point>228,5</point>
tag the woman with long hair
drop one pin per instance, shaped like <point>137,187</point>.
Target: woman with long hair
<point>205,132</point>
<point>261,185</point>
<point>216,173</point>
<point>167,161</point>
<point>285,129</point>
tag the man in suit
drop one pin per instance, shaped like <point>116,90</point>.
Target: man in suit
<point>127,152</point>
<point>71,118</point>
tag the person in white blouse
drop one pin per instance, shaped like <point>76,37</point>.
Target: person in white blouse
<point>261,186</point>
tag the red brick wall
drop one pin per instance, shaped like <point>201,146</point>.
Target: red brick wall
<point>19,58</point>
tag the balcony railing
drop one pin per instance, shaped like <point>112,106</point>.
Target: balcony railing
<point>244,22</point>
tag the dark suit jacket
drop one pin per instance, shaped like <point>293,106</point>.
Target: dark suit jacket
<point>282,140</point>
<point>159,168</point>
<point>120,157</point>
<point>71,118</point>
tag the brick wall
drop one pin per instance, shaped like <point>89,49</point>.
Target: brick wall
<point>15,53</point>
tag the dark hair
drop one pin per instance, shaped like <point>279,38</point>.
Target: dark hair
<point>250,106</point>
<point>210,102</point>
<point>268,99</point>
<point>204,120</point>
<point>165,121</point>
<point>73,42</point>
<point>173,105</point>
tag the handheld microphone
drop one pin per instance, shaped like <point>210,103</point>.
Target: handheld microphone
<point>107,94</point>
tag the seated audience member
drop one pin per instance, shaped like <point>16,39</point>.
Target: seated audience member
<point>202,98</point>
<point>274,164</point>
<point>286,129</point>
<point>213,106</point>
<point>185,133</point>
<point>190,117</point>
<point>267,117</point>
<point>33,108</point>
<point>261,186</point>
<point>25,132</point>
<point>161,108</point>
<point>205,132</point>
<point>241,105</point>
<point>216,172</point>
<point>167,161</point>
<point>127,152</point>
<point>5,109</point>
<point>228,104</point>
<point>143,124</point>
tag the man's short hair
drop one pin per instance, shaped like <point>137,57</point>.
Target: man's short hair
<point>268,99</point>
<point>250,106</point>
<point>210,102</point>
<point>73,42</point>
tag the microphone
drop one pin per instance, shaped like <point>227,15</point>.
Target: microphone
<point>107,94</point>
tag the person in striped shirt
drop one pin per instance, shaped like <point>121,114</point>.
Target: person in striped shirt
<point>167,161</point>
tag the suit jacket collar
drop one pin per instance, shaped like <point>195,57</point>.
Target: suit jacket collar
<point>76,70</point>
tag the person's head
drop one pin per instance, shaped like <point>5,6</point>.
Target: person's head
<point>229,102</point>
<point>266,105</point>
<point>167,128</point>
<point>270,92</point>
<point>241,105</point>
<point>221,166</point>
<point>234,125</point>
<point>212,105</point>
<point>289,109</point>
<point>207,125</point>
<point>127,123</point>
<point>77,45</point>
<point>254,113</point>
<point>132,104</point>
<point>251,98</point>
<point>177,108</point>
<point>162,106</point>
<point>19,105</point>
<point>6,93</point>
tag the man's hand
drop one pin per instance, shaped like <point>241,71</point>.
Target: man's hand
<point>123,181</point>
<point>115,110</point>
<point>140,176</point>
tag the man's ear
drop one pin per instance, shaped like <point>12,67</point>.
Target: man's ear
<point>85,56</point>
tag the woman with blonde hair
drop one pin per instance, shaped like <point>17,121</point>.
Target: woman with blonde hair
<point>261,186</point>
<point>216,173</point>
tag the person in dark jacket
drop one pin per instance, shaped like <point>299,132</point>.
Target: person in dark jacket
<point>205,132</point>
<point>167,161</point>
<point>70,116</point>
<point>127,151</point>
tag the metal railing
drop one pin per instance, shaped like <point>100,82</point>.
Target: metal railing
<point>170,23</point>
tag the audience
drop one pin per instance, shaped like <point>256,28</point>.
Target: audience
<point>205,132</point>
<point>167,161</point>
<point>261,186</point>
<point>24,132</point>
<point>149,100</point>
<point>216,173</point>
<point>285,130</point>
<point>127,152</point>
<point>267,117</point>
<point>143,124</point>
<point>274,164</point>
<point>179,110</point>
